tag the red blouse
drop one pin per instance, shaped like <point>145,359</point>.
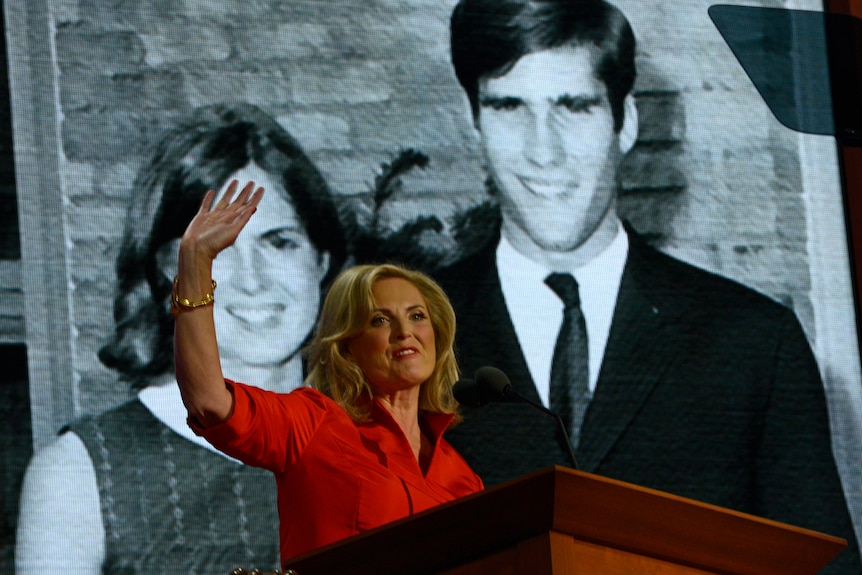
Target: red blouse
<point>337,477</point>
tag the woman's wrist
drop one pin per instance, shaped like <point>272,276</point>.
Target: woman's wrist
<point>182,304</point>
<point>194,273</point>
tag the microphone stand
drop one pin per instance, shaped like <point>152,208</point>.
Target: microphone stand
<point>509,393</point>
<point>492,385</point>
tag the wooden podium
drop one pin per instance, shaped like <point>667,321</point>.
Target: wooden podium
<point>563,521</point>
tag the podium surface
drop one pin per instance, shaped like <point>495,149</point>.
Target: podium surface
<point>563,521</point>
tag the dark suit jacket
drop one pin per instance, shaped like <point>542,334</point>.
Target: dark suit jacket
<point>707,389</point>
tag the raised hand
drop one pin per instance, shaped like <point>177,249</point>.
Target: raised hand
<point>198,369</point>
<point>215,228</point>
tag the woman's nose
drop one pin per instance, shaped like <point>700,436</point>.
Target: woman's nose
<point>400,329</point>
<point>245,272</point>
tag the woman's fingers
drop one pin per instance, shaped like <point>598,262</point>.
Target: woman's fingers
<point>217,227</point>
<point>207,202</point>
<point>245,204</point>
<point>228,195</point>
<point>256,197</point>
<point>245,194</point>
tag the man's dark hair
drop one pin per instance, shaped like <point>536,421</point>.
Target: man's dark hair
<point>489,36</point>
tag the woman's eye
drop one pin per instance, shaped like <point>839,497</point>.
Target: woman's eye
<point>418,316</point>
<point>284,239</point>
<point>284,242</point>
<point>378,321</point>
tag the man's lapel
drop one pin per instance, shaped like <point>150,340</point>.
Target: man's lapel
<point>487,328</point>
<point>639,350</point>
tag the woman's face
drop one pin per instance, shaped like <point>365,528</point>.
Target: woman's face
<point>268,292</point>
<point>396,350</point>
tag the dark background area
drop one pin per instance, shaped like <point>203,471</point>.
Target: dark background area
<point>15,442</point>
<point>15,427</point>
<point>10,243</point>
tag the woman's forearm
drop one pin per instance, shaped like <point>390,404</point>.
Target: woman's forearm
<point>198,368</point>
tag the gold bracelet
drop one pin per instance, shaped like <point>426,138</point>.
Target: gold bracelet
<point>179,305</point>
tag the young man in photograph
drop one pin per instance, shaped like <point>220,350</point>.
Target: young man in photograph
<point>667,376</point>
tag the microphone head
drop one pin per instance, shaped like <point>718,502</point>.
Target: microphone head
<point>467,392</point>
<point>493,382</point>
<point>492,385</point>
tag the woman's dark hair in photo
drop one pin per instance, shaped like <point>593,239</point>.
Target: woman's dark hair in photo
<point>200,154</point>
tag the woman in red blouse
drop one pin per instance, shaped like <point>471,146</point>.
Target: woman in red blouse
<point>362,444</point>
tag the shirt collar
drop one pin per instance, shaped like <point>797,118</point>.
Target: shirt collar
<point>166,404</point>
<point>433,423</point>
<point>600,276</point>
<point>535,310</point>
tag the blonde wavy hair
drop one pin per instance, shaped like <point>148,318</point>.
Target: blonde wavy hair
<point>347,311</point>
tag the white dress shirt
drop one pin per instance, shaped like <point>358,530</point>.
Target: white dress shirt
<point>537,312</point>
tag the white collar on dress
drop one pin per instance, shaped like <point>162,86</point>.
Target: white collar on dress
<point>166,404</point>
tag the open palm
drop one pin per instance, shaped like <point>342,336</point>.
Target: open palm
<point>215,228</point>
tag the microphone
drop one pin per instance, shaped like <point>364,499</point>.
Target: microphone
<point>467,392</point>
<point>491,385</point>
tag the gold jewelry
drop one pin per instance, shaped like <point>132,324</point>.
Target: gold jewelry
<point>241,571</point>
<point>179,305</point>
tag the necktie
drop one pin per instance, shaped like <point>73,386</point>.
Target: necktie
<point>570,392</point>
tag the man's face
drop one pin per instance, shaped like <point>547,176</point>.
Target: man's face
<point>547,131</point>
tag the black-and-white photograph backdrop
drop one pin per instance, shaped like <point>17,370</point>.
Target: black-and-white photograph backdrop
<point>117,106</point>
